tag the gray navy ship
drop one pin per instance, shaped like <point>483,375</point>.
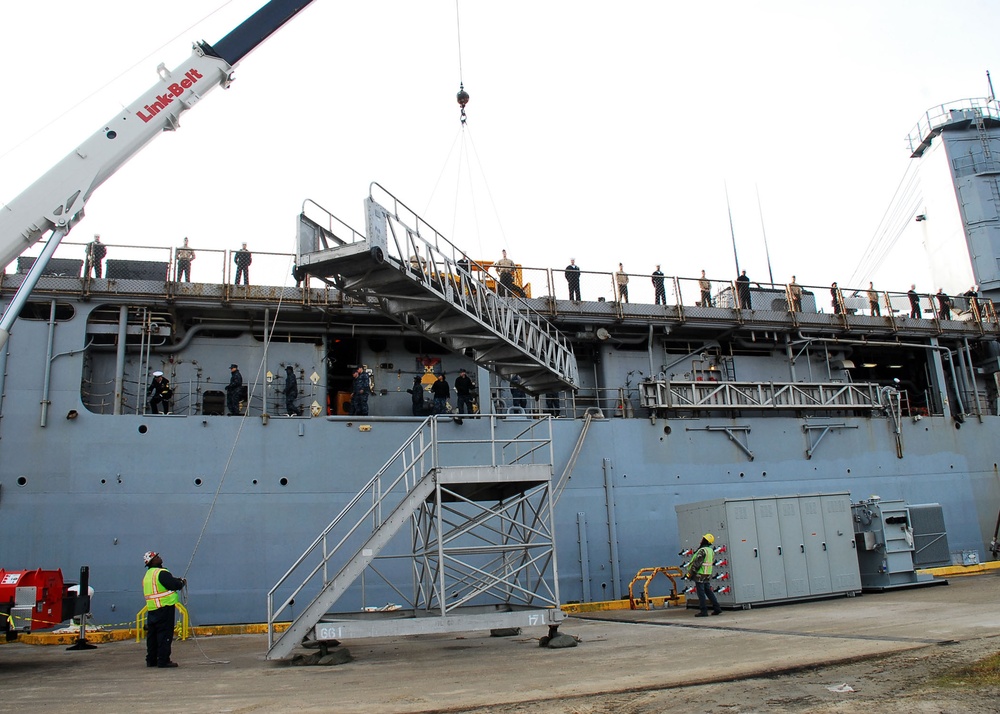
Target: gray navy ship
<point>675,390</point>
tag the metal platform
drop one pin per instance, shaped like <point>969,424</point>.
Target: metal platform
<point>414,275</point>
<point>479,551</point>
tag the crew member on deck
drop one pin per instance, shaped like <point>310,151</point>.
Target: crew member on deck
<point>914,302</point>
<point>873,300</point>
<point>291,392</point>
<point>95,254</point>
<point>159,392</point>
<point>621,280</point>
<point>795,293</point>
<point>658,288</point>
<point>505,269</point>
<point>572,274</point>
<point>706,290</point>
<point>184,257</point>
<point>242,258</point>
<point>233,390</point>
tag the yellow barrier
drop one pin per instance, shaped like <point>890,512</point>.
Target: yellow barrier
<point>646,575</point>
<point>182,629</point>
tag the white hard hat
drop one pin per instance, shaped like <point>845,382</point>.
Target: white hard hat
<point>157,373</point>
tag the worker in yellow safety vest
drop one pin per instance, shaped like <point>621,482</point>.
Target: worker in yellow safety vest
<point>700,571</point>
<point>160,590</point>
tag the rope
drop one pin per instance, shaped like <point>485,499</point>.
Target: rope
<point>489,192</point>
<point>229,460</point>
<point>901,207</point>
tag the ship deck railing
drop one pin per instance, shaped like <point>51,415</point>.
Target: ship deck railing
<point>151,273</point>
<point>816,397</point>
<point>941,115</point>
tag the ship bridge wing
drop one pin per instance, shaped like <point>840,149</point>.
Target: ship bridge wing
<point>412,274</point>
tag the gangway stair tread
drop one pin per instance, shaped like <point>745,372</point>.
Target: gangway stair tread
<point>471,483</point>
<point>409,272</point>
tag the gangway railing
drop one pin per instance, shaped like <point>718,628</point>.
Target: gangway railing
<point>413,274</point>
<point>817,396</point>
<point>479,534</point>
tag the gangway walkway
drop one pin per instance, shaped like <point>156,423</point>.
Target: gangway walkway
<point>414,275</point>
<point>478,552</point>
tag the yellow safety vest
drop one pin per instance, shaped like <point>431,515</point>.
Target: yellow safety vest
<point>156,596</point>
<point>706,565</point>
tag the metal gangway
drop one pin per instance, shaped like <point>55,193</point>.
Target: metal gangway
<point>463,547</point>
<point>778,396</point>
<point>411,273</point>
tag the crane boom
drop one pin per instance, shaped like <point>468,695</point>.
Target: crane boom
<point>55,202</point>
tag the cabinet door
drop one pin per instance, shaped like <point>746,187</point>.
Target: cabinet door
<point>793,552</point>
<point>772,568</point>
<point>842,554</point>
<point>815,545</point>
<point>744,552</point>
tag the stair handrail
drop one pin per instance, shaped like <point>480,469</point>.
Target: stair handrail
<point>475,296</point>
<point>426,450</point>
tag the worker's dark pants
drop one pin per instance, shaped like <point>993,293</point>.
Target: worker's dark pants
<point>704,588</point>
<point>159,635</point>
<point>465,404</point>
<point>155,403</point>
<point>233,402</point>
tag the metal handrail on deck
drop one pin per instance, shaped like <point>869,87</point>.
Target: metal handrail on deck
<point>658,394</point>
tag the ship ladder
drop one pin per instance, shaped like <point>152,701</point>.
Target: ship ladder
<point>479,552</point>
<point>412,274</point>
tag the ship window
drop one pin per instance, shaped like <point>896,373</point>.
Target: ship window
<point>41,311</point>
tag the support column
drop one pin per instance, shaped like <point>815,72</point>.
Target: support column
<point>120,360</point>
<point>940,383</point>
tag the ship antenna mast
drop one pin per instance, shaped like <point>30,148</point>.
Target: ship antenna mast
<point>732,232</point>
<point>767,253</point>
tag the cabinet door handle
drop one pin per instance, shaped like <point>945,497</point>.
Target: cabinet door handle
<point>755,552</point>
<point>824,546</point>
<point>802,548</point>
<point>779,550</point>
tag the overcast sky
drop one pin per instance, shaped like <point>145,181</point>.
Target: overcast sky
<point>601,131</point>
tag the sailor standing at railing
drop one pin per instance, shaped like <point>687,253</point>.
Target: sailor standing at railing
<point>795,292</point>
<point>658,288</point>
<point>233,390</point>
<point>572,274</point>
<point>243,258</point>
<point>505,269</point>
<point>621,280</point>
<point>706,290</point>
<point>95,254</point>
<point>184,257</point>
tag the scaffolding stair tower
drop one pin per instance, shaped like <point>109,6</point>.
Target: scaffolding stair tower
<point>412,274</point>
<point>463,547</point>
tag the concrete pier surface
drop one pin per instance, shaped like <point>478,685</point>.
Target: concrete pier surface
<point>619,651</point>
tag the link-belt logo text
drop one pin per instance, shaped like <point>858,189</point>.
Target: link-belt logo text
<point>173,91</point>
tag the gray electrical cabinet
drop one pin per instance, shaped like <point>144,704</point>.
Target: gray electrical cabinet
<point>890,535</point>
<point>776,548</point>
